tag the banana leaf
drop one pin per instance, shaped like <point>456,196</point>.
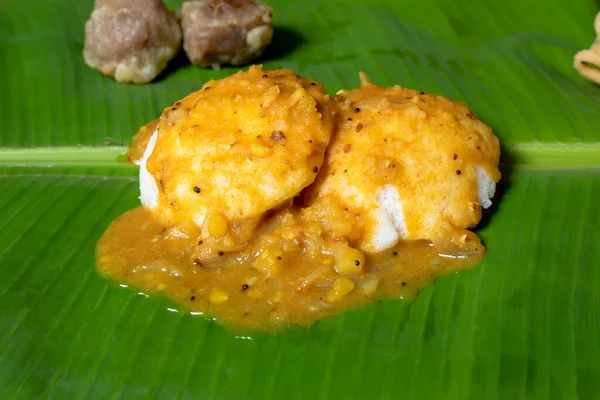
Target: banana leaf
<point>523,324</point>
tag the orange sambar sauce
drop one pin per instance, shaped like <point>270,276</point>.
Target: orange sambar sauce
<point>260,288</point>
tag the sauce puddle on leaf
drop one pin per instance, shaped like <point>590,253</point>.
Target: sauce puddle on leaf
<point>285,275</point>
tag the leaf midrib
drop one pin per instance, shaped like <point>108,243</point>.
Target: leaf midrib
<point>532,155</point>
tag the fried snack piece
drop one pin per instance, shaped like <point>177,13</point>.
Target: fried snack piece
<point>237,148</point>
<point>587,61</point>
<point>131,40</point>
<point>217,32</point>
<point>404,165</point>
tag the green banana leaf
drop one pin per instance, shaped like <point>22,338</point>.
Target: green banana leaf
<point>525,324</point>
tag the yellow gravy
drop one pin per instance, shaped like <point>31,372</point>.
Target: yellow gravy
<point>284,276</point>
<point>140,141</point>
